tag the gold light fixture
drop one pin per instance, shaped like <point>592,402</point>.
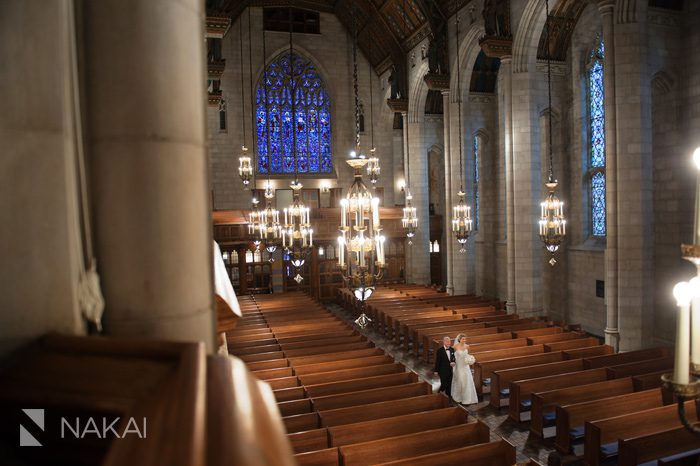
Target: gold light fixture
<point>269,223</point>
<point>684,383</point>
<point>461,213</point>
<point>409,221</point>
<point>245,167</point>
<point>254,222</point>
<point>361,243</point>
<point>552,224</point>
<point>297,235</point>
<point>373,167</point>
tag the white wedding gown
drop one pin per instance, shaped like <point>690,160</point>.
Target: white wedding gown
<point>463,389</point>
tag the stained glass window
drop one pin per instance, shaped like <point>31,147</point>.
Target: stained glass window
<point>312,122</point>
<point>476,182</point>
<point>596,109</point>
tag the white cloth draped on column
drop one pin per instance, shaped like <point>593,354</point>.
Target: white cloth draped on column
<point>222,282</point>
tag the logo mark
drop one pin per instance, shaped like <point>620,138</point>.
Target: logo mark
<point>25,438</point>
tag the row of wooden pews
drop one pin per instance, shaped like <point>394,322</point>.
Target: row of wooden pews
<point>344,401</point>
<point>551,375</point>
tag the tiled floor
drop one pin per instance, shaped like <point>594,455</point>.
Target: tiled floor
<point>501,426</point>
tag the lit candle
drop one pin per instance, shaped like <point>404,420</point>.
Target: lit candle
<point>361,251</point>
<point>341,251</point>
<point>311,237</point>
<point>683,294</point>
<point>285,216</point>
<point>375,212</point>
<point>695,322</point>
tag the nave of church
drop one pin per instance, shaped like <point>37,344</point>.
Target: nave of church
<point>298,232</point>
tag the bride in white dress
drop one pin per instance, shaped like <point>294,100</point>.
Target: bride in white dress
<point>463,389</point>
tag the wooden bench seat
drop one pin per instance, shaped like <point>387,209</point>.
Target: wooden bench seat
<point>641,367</point>
<point>538,332</point>
<point>288,394</point>
<point>397,425</point>
<point>496,345</point>
<point>554,337</point>
<point>572,344</point>
<point>602,435</point>
<point>373,395</point>
<point>416,444</point>
<point>624,358</point>
<point>309,440</point>
<point>269,364</point>
<point>521,390</point>
<point>327,457</point>
<point>340,416</point>
<point>324,349</point>
<point>544,403</point>
<point>261,356</point>
<point>326,342</point>
<point>283,382</point>
<point>500,380</point>
<point>301,422</point>
<point>364,383</point>
<point>334,356</point>
<point>673,441</point>
<point>570,419</point>
<point>483,370</point>
<point>342,364</point>
<point>589,351</point>
<point>268,374</point>
<point>498,453</point>
<point>347,374</point>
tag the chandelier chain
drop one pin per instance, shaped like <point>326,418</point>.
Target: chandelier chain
<point>408,143</point>
<point>548,26</point>
<point>250,81</point>
<point>459,106</point>
<point>293,94</point>
<point>267,109</point>
<point>371,93</point>
<point>354,77</point>
<point>240,39</point>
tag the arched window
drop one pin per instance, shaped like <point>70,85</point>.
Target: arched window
<point>596,122</point>
<point>312,119</point>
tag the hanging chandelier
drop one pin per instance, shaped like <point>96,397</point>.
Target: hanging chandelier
<point>269,223</point>
<point>373,167</point>
<point>552,222</point>
<point>254,222</point>
<point>409,221</point>
<point>361,243</point>
<point>297,235</point>
<point>245,167</point>
<point>461,213</point>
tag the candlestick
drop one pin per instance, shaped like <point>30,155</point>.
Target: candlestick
<point>683,294</point>
<point>695,322</point>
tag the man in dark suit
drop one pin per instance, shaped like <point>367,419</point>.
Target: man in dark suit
<point>444,362</point>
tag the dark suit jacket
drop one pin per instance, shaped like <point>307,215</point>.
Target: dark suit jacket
<point>442,362</point>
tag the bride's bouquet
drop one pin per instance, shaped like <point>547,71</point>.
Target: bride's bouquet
<point>469,359</point>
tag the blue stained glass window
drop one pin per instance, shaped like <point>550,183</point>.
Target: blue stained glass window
<point>476,182</point>
<point>598,203</point>
<point>311,122</point>
<point>596,108</point>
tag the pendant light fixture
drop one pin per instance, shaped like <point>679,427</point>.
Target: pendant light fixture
<point>297,235</point>
<point>245,167</point>
<point>552,222</point>
<point>373,167</point>
<point>461,213</point>
<point>409,221</point>
<point>270,227</point>
<point>361,243</point>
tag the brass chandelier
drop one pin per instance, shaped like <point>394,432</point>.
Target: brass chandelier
<point>245,166</point>
<point>297,235</point>
<point>361,243</point>
<point>462,225</point>
<point>552,223</point>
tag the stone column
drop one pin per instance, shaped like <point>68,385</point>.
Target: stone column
<point>612,335</point>
<point>634,178</point>
<point>144,68</point>
<point>449,238</point>
<point>40,237</point>
<point>507,72</point>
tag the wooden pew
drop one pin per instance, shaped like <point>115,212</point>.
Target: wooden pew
<point>374,395</point>
<point>501,379</point>
<point>538,332</point>
<point>364,383</point>
<point>301,422</point>
<point>288,394</point>
<point>570,418</point>
<point>347,374</point>
<point>602,435</point>
<point>331,366</point>
<point>327,457</point>
<point>310,440</point>
<point>588,352</point>
<point>572,344</point>
<point>397,425</point>
<point>555,337</point>
<point>324,349</point>
<point>483,370</point>
<point>334,356</point>
<point>638,450</point>
<point>433,341</point>
<point>498,453</point>
<point>411,445</point>
<point>641,367</point>
<point>624,358</point>
<point>544,403</point>
<point>520,390</point>
<point>336,417</point>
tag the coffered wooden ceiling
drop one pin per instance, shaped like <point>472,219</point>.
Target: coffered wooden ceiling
<point>387,29</point>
